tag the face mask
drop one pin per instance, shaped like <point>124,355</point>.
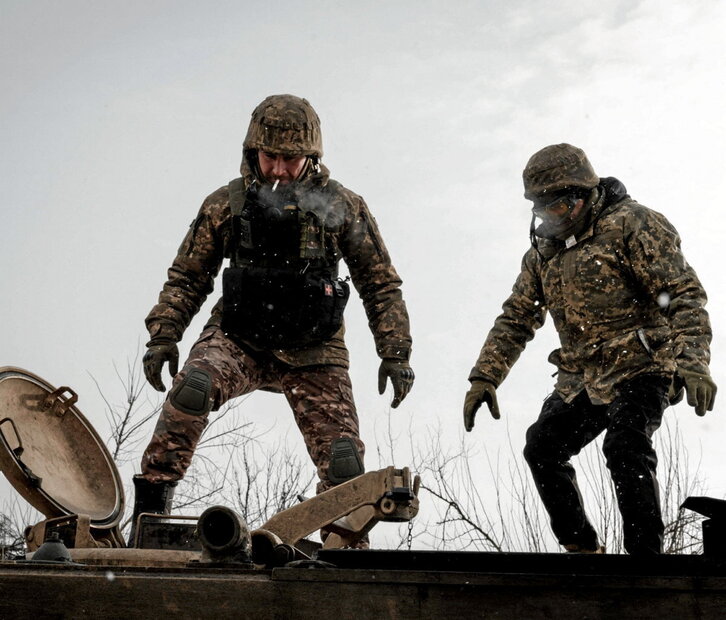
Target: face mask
<point>554,219</point>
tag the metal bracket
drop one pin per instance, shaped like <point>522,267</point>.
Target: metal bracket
<point>33,480</point>
<point>160,531</point>
<point>76,532</point>
<point>16,451</point>
<point>57,406</point>
<point>349,510</point>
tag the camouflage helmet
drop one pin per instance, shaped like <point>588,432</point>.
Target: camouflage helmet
<point>556,167</point>
<point>286,125</point>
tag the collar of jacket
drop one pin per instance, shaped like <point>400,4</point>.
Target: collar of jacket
<point>612,195</point>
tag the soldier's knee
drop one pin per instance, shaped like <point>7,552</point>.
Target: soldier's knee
<point>345,461</point>
<point>192,394</point>
<point>535,446</point>
<point>530,452</point>
<point>623,446</point>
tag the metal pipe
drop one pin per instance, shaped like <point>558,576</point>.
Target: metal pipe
<point>224,536</point>
<point>264,544</point>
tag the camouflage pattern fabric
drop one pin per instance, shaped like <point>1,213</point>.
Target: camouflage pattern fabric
<point>285,124</point>
<point>321,398</point>
<point>623,299</point>
<point>557,167</point>
<point>350,234</point>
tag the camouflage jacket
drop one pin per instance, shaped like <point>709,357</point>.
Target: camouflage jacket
<point>623,299</point>
<point>351,234</point>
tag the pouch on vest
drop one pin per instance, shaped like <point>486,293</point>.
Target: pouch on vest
<point>279,309</point>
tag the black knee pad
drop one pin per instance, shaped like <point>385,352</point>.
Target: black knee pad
<point>345,461</point>
<point>192,394</point>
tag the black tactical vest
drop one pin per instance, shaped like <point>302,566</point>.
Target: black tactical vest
<point>281,290</point>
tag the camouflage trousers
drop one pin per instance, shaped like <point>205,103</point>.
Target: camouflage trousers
<point>321,398</point>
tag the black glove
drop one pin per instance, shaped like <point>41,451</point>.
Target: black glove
<point>700,390</point>
<point>154,360</point>
<point>401,375</point>
<point>480,391</point>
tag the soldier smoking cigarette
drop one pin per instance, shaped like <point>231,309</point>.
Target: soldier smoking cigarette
<point>267,308</point>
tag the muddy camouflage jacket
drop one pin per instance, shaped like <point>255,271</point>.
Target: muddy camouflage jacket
<point>350,233</point>
<point>623,299</point>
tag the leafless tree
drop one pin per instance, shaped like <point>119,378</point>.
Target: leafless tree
<point>471,498</point>
<point>678,479</point>
<point>127,420</point>
<point>488,502</point>
<point>266,481</point>
<point>15,516</point>
<point>231,466</point>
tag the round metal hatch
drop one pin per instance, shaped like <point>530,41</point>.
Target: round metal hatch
<point>52,455</point>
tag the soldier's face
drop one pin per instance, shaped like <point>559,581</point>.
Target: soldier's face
<point>560,216</point>
<point>282,168</point>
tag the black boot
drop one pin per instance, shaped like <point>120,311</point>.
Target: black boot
<point>152,497</point>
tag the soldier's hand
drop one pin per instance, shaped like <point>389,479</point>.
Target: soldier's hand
<point>401,375</point>
<point>700,390</point>
<point>154,359</point>
<point>480,391</point>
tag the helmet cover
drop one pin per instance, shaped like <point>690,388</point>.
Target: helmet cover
<point>285,125</point>
<point>557,167</point>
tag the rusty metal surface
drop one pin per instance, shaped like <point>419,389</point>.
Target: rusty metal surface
<point>129,558</point>
<point>350,509</point>
<point>73,531</point>
<point>168,532</point>
<point>52,455</point>
<point>620,565</point>
<point>334,593</point>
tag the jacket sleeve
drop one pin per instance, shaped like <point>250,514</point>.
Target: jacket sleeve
<point>522,314</point>
<point>191,275</point>
<point>377,283</point>
<point>655,252</point>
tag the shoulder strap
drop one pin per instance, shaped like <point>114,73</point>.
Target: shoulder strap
<point>237,192</point>
<point>237,197</point>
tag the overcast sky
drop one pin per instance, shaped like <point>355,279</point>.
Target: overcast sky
<point>119,118</point>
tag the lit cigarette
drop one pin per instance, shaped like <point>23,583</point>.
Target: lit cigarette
<point>274,186</point>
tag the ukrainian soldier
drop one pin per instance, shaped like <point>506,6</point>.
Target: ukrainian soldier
<point>629,311</point>
<point>284,225</point>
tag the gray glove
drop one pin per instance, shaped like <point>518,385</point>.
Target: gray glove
<point>480,391</point>
<point>401,375</point>
<point>154,359</point>
<point>700,390</point>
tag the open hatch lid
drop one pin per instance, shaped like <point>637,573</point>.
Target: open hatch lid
<point>52,455</point>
